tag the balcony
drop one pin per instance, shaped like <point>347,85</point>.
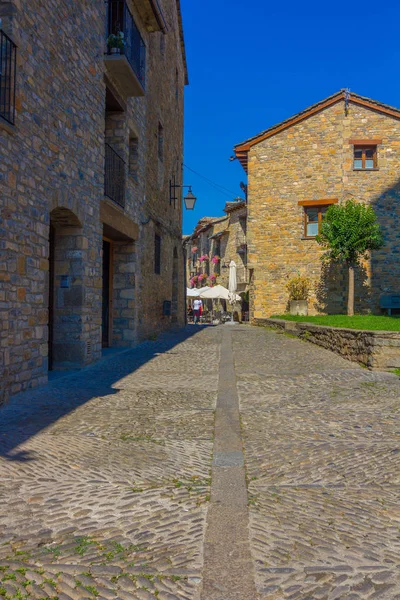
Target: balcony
<point>114,176</point>
<point>128,63</point>
<point>242,275</point>
<point>8,65</point>
<point>241,242</point>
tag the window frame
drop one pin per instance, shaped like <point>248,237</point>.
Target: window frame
<point>316,204</point>
<point>363,148</point>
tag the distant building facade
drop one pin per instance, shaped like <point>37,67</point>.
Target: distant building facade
<point>215,242</point>
<point>91,136</point>
<point>345,147</point>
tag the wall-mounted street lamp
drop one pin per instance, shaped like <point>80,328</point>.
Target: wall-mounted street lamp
<point>189,199</point>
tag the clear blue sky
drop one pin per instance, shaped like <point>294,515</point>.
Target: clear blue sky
<point>253,64</point>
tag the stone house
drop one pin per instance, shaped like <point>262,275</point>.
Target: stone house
<point>344,147</point>
<point>91,142</point>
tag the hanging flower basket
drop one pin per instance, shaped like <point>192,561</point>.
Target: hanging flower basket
<point>204,258</point>
<point>202,277</point>
<point>194,250</point>
<point>215,260</point>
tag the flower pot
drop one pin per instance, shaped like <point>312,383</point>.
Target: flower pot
<point>115,50</point>
<point>299,307</point>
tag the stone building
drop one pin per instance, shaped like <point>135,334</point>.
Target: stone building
<point>345,147</point>
<point>91,141</point>
<point>222,239</point>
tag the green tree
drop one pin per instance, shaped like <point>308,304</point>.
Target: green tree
<point>348,232</point>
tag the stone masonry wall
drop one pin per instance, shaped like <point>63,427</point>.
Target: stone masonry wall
<point>52,157</point>
<point>373,349</point>
<point>52,172</point>
<point>313,160</point>
<point>165,102</point>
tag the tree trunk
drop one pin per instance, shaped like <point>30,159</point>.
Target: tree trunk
<point>350,297</point>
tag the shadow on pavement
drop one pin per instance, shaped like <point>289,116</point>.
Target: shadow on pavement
<point>28,413</point>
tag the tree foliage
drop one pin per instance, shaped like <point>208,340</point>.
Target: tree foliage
<point>349,231</point>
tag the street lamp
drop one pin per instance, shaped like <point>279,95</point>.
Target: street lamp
<point>189,199</point>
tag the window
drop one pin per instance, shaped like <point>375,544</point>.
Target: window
<point>160,142</point>
<point>133,156</point>
<point>313,217</point>
<point>157,254</point>
<point>194,259</point>
<point>8,65</point>
<point>365,157</point>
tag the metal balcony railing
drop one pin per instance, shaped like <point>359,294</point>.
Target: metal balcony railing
<point>114,176</point>
<point>242,275</point>
<point>241,238</point>
<point>8,66</point>
<point>120,19</point>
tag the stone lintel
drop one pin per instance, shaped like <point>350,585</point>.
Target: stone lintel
<point>117,225</point>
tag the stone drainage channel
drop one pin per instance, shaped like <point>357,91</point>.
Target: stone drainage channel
<point>228,568</point>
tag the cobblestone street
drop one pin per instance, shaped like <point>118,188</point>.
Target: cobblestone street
<point>106,489</point>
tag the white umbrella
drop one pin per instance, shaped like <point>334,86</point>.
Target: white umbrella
<point>192,293</point>
<point>218,292</point>
<point>232,285</point>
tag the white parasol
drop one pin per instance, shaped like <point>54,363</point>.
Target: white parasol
<point>232,285</point>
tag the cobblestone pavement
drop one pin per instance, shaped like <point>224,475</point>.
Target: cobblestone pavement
<point>105,475</point>
<point>322,449</point>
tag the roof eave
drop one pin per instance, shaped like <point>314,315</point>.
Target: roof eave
<point>241,150</point>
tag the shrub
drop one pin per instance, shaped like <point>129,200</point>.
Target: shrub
<point>299,288</point>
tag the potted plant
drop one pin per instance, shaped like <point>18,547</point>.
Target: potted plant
<point>203,258</point>
<point>299,289</point>
<point>116,42</point>
<point>215,259</point>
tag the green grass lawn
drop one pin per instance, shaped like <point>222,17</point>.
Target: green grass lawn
<point>374,322</point>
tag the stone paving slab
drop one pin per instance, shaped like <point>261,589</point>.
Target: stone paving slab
<point>322,445</point>
<point>105,477</point>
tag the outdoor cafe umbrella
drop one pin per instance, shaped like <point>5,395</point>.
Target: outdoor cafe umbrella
<point>217,292</point>
<point>192,293</point>
<point>232,285</point>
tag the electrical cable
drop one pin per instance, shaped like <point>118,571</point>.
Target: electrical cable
<point>222,189</point>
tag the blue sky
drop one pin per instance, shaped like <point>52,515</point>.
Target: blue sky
<point>253,64</point>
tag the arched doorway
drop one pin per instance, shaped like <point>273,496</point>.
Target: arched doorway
<point>65,290</point>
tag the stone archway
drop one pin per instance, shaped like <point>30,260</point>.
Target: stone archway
<point>66,290</point>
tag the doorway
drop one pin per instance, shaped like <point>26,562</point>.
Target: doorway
<point>51,298</point>
<point>107,293</point>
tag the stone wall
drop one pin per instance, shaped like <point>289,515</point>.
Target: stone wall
<point>373,349</point>
<point>52,173</point>
<point>51,160</point>
<point>313,160</point>
<point>160,214</point>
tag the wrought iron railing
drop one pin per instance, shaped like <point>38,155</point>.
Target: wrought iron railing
<point>120,19</point>
<point>8,65</point>
<point>241,238</point>
<point>242,275</point>
<point>114,176</point>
